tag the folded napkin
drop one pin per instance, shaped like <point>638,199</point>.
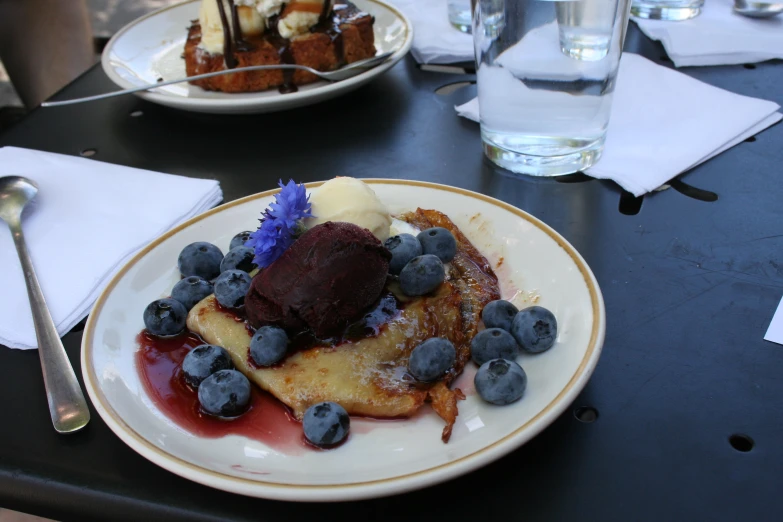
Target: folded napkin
<point>664,122</point>
<point>435,40</point>
<point>718,36</point>
<point>88,218</point>
<point>775,330</point>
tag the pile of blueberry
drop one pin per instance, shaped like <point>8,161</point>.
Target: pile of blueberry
<point>225,392</point>
<point>222,390</point>
<point>418,260</point>
<point>500,380</point>
<point>205,270</point>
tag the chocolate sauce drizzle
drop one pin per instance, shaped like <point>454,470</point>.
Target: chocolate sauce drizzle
<point>239,43</point>
<point>228,52</point>
<point>328,23</point>
<point>286,56</point>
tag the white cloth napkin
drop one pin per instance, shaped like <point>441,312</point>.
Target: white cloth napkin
<point>775,330</point>
<point>88,218</point>
<point>718,36</point>
<point>664,122</point>
<point>435,40</point>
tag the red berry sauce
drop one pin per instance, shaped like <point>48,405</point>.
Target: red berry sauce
<point>267,420</point>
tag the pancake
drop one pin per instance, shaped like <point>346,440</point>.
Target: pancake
<point>367,376</point>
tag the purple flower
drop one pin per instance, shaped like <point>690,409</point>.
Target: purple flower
<point>279,223</point>
<point>291,204</point>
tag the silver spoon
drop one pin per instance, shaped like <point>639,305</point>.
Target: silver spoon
<point>344,73</point>
<point>67,406</point>
<point>757,9</point>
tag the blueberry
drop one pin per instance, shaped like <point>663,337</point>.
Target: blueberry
<point>431,359</point>
<point>165,317</point>
<point>499,314</point>
<point>225,393</point>
<point>326,423</point>
<point>422,275</point>
<point>239,240</point>
<point>231,287</point>
<point>493,343</point>
<point>535,329</point>
<point>204,360</point>
<point>200,259</point>
<point>403,248</point>
<point>499,381</point>
<point>439,242</point>
<point>191,290</point>
<point>239,258</point>
<point>268,345</point>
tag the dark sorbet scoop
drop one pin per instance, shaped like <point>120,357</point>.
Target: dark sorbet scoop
<point>327,278</point>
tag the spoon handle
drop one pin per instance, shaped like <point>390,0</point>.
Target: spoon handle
<point>67,405</point>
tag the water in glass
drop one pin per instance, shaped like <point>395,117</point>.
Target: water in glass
<point>544,111</point>
<point>672,10</point>
<point>460,14</point>
<point>585,27</point>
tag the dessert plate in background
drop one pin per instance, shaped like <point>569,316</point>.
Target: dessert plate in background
<point>534,265</point>
<point>151,47</point>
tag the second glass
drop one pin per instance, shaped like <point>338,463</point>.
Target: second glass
<point>585,27</point>
<point>545,100</point>
<point>459,12</point>
<point>672,10</point>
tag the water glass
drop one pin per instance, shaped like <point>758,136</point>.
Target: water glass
<point>585,27</point>
<point>460,14</point>
<point>545,104</point>
<point>672,10</point>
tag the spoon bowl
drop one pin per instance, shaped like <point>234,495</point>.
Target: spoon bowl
<point>757,9</point>
<point>15,193</point>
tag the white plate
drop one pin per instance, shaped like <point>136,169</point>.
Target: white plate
<point>380,458</point>
<point>151,47</point>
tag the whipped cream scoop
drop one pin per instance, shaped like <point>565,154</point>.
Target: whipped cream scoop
<point>352,201</point>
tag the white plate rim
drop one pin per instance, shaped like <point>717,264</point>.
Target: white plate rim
<point>365,489</point>
<point>250,102</point>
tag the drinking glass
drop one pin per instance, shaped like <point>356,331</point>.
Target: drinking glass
<point>460,14</point>
<point>585,27</point>
<point>544,106</point>
<point>672,10</point>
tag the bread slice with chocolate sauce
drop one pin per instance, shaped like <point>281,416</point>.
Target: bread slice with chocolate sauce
<point>345,38</point>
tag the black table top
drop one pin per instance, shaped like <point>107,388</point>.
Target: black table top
<point>690,285</point>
